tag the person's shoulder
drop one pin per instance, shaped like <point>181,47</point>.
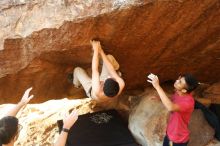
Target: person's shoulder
<point>189,98</point>
<point>99,95</point>
<point>184,98</point>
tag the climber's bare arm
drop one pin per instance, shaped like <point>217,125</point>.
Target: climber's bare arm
<point>95,65</point>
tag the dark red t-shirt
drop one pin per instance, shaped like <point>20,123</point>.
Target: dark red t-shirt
<point>177,128</point>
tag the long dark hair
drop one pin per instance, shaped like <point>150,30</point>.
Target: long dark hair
<point>8,129</point>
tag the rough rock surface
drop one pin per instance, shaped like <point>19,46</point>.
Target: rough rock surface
<point>148,120</point>
<point>22,17</point>
<point>201,131</point>
<point>39,121</point>
<point>213,93</point>
<point>43,40</point>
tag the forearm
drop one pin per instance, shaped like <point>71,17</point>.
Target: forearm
<point>13,112</point>
<point>165,100</point>
<point>95,71</point>
<point>62,139</point>
<point>108,64</point>
<point>95,61</point>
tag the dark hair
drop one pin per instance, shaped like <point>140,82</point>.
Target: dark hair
<point>191,82</point>
<point>8,129</point>
<point>111,87</point>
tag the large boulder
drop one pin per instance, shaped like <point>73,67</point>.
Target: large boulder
<point>147,122</point>
<point>201,131</point>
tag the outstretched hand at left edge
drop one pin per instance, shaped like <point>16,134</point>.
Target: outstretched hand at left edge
<point>26,97</point>
<point>24,100</point>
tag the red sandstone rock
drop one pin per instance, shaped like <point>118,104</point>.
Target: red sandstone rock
<point>44,41</point>
<point>213,93</point>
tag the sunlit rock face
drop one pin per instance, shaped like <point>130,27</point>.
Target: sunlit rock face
<point>39,121</point>
<point>42,41</point>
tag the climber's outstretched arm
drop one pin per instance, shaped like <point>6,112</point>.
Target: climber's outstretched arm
<point>95,65</point>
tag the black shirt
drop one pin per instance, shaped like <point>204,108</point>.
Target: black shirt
<point>105,128</point>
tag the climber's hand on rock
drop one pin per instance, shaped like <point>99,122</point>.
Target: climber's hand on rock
<point>95,45</point>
